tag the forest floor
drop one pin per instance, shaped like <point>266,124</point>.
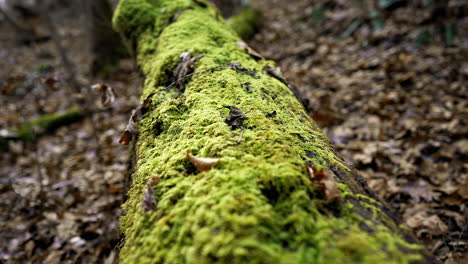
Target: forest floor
<point>387,87</point>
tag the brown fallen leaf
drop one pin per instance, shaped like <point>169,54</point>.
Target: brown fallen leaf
<point>130,131</point>
<point>419,191</point>
<point>422,220</point>
<point>463,190</point>
<point>137,115</point>
<point>107,93</point>
<point>325,183</point>
<point>249,50</point>
<point>202,164</point>
<point>235,118</point>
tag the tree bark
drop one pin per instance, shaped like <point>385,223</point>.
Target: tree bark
<point>258,204</point>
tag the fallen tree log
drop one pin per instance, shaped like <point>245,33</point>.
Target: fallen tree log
<point>268,189</point>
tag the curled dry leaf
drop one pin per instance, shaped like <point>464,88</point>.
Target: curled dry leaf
<point>184,69</point>
<point>107,93</point>
<point>249,50</point>
<point>202,164</point>
<point>235,118</point>
<point>325,183</point>
<point>130,130</point>
<point>137,115</point>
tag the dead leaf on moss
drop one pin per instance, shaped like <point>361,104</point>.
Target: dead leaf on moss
<point>130,131</point>
<point>235,118</point>
<point>184,69</point>
<point>325,183</point>
<point>247,87</point>
<point>249,50</point>
<point>137,115</point>
<point>142,107</point>
<point>202,164</point>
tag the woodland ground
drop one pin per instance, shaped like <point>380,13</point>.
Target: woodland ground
<point>389,90</point>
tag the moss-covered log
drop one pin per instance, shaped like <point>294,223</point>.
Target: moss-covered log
<point>258,203</point>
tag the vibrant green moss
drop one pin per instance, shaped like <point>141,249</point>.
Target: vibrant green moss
<point>257,204</point>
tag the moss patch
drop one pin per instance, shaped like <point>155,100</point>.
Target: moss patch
<point>257,204</point>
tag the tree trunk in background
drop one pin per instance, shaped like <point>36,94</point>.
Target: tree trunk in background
<point>105,44</point>
<point>266,200</point>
